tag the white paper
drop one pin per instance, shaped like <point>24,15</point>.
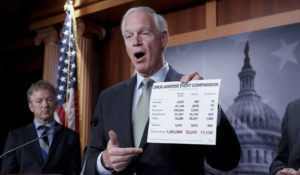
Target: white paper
<point>184,113</point>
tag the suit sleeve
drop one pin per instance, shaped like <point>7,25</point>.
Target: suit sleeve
<point>9,162</point>
<point>281,159</point>
<point>75,159</point>
<point>97,142</point>
<point>225,155</point>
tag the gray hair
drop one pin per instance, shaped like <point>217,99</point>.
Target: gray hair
<point>160,22</point>
<point>41,84</point>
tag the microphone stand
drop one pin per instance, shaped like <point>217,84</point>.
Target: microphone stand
<point>85,160</point>
<point>94,123</point>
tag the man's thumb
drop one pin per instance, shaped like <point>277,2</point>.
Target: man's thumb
<point>113,138</point>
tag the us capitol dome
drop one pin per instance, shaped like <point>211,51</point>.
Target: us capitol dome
<point>256,124</point>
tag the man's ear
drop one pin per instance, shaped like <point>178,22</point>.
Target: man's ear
<point>30,106</point>
<point>164,38</point>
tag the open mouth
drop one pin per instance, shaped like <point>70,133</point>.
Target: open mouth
<point>139,54</point>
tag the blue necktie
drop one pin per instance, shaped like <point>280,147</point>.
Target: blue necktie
<point>44,142</point>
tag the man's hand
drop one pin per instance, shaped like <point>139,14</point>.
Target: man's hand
<point>190,76</point>
<point>117,158</point>
<point>288,171</point>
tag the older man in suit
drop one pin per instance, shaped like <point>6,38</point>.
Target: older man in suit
<point>287,160</point>
<point>58,152</point>
<point>118,144</point>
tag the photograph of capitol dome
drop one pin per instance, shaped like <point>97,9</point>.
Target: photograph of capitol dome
<point>260,75</point>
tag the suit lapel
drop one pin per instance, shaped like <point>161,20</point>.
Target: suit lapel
<point>35,147</point>
<point>126,112</point>
<point>56,137</point>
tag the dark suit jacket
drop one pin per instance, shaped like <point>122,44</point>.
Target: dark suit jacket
<point>113,112</point>
<point>63,157</point>
<point>288,155</point>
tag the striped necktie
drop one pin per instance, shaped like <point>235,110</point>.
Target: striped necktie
<point>44,142</point>
<point>141,114</point>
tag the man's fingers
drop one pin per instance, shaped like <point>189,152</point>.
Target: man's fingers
<point>125,151</point>
<point>121,157</point>
<point>190,76</point>
<point>286,171</point>
<point>118,159</point>
<point>120,166</point>
<point>113,138</point>
<point>105,159</point>
<point>197,77</point>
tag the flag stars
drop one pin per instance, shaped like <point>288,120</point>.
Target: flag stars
<point>63,79</point>
<point>61,88</point>
<point>68,24</point>
<point>59,97</point>
<point>65,70</point>
<point>66,32</point>
<point>66,61</point>
<point>64,41</point>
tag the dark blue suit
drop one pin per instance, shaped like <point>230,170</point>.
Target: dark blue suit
<point>63,157</point>
<point>288,155</point>
<point>113,112</point>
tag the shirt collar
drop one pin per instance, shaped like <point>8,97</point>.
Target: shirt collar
<point>37,124</point>
<point>159,76</point>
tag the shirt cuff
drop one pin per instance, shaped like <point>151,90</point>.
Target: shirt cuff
<point>100,167</point>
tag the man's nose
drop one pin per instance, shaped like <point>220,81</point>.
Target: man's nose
<point>136,40</point>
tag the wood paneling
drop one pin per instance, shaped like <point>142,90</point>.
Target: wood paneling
<point>186,20</point>
<point>45,9</point>
<point>230,11</point>
<point>115,65</point>
<point>261,23</point>
<point>108,12</point>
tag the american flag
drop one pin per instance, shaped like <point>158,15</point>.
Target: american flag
<point>67,111</point>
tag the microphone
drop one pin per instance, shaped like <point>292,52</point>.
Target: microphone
<point>31,141</point>
<point>94,123</point>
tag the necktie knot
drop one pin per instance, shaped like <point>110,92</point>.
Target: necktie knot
<point>147,82</point>
<point>44,129</point>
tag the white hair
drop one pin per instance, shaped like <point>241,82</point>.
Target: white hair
<point>160,22</point>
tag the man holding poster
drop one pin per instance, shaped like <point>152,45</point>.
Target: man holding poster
<point>118,141</point>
